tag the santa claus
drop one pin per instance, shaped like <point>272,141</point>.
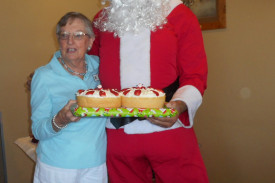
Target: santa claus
<point>157,43</point>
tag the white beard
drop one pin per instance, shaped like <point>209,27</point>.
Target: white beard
<point>132,16</point>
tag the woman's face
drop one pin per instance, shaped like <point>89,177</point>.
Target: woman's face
<point>73,48</point>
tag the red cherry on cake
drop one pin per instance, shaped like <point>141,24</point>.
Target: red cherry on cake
<point>160,90</point>
<point>102,93</point>
<point>114,92</point>
<point>90,93</point>
<point>140,86</point>
<point>137,92</point>
<point>125,92</point>
<point>99,87</point>
<point>155,92</point>
<point>80,91</point>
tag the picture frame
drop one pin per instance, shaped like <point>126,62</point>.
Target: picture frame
<point>210,13</point>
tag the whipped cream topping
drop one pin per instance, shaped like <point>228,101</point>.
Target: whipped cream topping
<point>99,93</point>
<point>141,91</point>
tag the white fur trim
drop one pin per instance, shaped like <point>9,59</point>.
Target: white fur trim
<point>138,59</point>
<point>143,127</point>
<point>192,97</point>
<point>173,4</point>
<point>135,59</point>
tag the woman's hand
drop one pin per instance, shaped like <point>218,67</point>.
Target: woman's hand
<point>169,122</point>
<point>65,116</point>
<point>29,81</point>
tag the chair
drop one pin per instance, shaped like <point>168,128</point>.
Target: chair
<point>3,169</point>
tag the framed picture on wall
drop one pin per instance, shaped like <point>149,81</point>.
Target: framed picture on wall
<point>211,13</point>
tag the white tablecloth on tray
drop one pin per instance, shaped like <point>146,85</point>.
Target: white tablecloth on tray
<point>26,144</point>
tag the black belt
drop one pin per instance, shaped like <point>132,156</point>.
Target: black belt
<point>169,91</point>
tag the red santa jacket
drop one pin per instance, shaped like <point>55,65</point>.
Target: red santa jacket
<point>176,50</point>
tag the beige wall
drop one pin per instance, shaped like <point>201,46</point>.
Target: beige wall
<point>27,41</point>
<point>235,123</point>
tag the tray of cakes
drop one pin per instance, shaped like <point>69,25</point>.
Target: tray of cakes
<point>137,101</point>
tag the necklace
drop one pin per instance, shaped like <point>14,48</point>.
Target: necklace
<point>74,72</point>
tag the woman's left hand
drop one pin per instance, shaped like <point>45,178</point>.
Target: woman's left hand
<point>169,122</point>
<point>65,115</point>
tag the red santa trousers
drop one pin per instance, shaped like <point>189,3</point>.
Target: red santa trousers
<point>173,155</point>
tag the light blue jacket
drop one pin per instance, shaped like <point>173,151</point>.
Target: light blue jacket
<point>81,144</point>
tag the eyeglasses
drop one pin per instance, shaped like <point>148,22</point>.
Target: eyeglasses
<point>76,35</point>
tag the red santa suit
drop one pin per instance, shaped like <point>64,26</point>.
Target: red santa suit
<point>156,59</point>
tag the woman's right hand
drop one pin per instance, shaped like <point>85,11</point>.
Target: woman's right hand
<point>65,116</point>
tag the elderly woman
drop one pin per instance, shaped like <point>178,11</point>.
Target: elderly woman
<point>70,149</point>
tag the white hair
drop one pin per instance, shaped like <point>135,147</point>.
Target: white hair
<point>132,16</point>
